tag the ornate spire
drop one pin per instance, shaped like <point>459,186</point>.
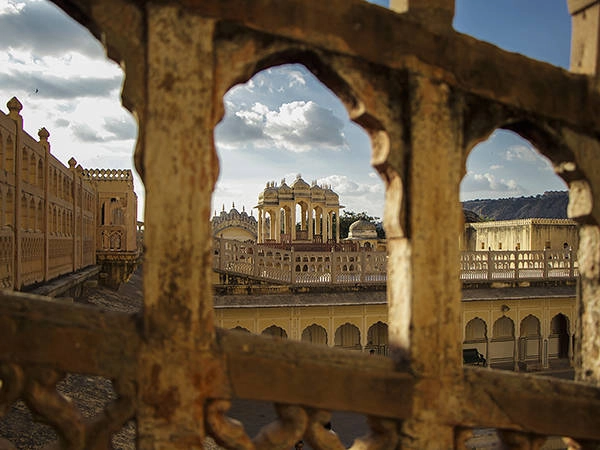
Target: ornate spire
<point>43,134</point>
<point>14,105</point>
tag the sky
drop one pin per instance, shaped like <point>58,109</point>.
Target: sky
<point>280,124</point>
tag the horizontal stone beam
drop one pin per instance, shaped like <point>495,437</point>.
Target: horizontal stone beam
<point>268,369</point>
<point>278,371</point>
<point>67,337</point>
<point>534,404</point>
<point>374,34</point>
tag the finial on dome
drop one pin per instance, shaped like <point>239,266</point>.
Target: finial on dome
<point>282,181</point>
<point>298,176</point>
<point>243,208</point>
<point>223,207</point>
<point>232,205</point>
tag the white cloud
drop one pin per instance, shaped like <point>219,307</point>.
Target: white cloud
<point>8,7</point>
<point>296,78</point>
<point>487,182</point>
<point>496,167</point>
<point>297,126</point>
<point>44,27</point>
<point>521,153</point>
<point>344,186</point>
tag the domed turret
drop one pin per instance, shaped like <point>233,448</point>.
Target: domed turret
<point>317,193</point>
<point>270,194</point>
<point>362,229</point>
<point>300,186</point>
<point>285,192</point>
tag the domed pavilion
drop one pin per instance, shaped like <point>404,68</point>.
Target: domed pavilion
<point>298,213</point>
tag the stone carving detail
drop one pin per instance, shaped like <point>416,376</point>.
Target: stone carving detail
<point>383,435</point>
<point>37,388</point>
<point>282,433</point>
<point>108,174</point>
<point>293,424</point>
<point>320,437</point>
<point>227,432</point>
<point>285,431</point>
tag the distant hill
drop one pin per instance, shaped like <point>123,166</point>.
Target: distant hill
<point>549,205</point>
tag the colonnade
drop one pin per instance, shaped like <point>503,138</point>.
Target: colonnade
<point>533,348</point>
<point>315,224</point>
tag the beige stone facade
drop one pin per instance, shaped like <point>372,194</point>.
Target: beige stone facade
<point>53,215</point>
<point>522,234</point>
<point>426,95</point>
<point>522,329</point>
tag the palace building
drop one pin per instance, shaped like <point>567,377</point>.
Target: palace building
<point>426,94</point>
<point>512,313</point>
<point>57,219</point>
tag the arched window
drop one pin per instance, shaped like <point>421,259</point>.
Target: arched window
<point>558,341</point>
<point>240,328</point>
<point>476,330</point>
<point>504,328</point>
<point>275,331</point>
<point>315,334</point>
<point>348,336</point>
<point>9,160</point>
<point>530,326</point>
<point>10,208</point>
<point>25,166</point>
<point>40,174</point>
<point>377,338</point>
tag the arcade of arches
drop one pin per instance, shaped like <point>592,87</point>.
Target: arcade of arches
<point>517,333</point>
<point>299,212</point>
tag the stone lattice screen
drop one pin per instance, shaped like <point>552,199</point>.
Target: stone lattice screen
<point>426,95</point>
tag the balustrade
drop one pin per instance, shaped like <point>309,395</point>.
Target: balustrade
<point>370,267</point>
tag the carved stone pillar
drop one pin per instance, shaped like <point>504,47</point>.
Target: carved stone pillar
<point>260,234</point>
<point>278,226</point>
<point>175,361</point>
<point>425,304</point>
<point>585,37</point>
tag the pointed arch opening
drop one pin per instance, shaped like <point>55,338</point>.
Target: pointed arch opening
<point>275,331</point>
<point>559,340</point>
<point>315,334</point>
<point>377,339</point>
<point>347,336</point>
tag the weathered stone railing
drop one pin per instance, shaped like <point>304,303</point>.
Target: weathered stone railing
<point>525,265</point>
<point>111,237</point>
<point>108,174</point>
<point>370,267</point>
